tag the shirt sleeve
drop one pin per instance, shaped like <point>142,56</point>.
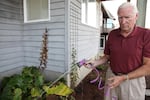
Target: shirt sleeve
<point>106,50</point>
<point>107,47</point>
<point>146,48</point>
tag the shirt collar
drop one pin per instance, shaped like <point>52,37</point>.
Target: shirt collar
<point>133,33</point>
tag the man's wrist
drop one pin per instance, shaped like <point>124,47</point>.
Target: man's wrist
<point>126,77</point>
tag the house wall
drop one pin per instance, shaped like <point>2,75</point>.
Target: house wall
<point>84,38</point>
<point>11,55</point>
<point>21,43</point>
<point>32,39</point>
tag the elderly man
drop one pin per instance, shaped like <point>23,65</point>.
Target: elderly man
<point>128,51</point>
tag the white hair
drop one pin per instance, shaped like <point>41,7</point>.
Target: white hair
<point>128,4</point>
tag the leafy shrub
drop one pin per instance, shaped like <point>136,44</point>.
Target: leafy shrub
<point>18,87</point>
<point>27,86</point>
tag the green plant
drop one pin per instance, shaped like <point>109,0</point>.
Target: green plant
<point>18,87</point>
<point>102,67</point>
<point>74,67</point>
<point>29,85</point>
<point>59,89</point>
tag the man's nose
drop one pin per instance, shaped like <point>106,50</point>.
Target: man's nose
<point>123,20</point>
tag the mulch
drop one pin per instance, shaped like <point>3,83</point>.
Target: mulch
<point>89,91</point>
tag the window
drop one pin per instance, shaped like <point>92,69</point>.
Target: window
<point>89,14</point>
<point>133,2</point>
<point>108,23</point>
<point>147,21</point>
<point>102,42</point>
<point>36,10</point>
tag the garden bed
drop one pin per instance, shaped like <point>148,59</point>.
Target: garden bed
<point>87,91</point>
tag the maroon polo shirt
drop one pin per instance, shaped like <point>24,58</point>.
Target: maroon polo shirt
<point>126,53</point>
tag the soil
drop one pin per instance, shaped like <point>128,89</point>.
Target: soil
<point>89,91</point>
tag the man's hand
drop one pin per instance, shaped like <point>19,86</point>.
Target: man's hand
<point>89,64</point>
<point>94,63</point>
<point>116,81</point>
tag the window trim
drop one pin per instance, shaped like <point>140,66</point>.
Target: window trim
<point>147,25</point>
<point>36,20</point>
<point>85,20</point>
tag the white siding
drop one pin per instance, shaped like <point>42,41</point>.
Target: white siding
<point>32,38</point>
<point>84,38</point>
<point>11,55</point>
<point>20,43</point>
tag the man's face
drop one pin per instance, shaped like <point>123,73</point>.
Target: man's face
<point>127,19</point>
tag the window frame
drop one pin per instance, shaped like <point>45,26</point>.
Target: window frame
<point>85,15</point>
<point>147,25</point>
<point>26,20</point>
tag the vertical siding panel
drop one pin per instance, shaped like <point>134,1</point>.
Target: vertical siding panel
<point>84,38</point>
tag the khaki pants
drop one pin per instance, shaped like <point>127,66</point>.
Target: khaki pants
<point>128,90</point>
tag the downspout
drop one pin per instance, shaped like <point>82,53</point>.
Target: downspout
<point>67,40</point>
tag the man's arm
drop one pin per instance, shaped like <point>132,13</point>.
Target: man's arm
<point>141,71</point>
<point>97,62</point>
<point>100,61</point>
